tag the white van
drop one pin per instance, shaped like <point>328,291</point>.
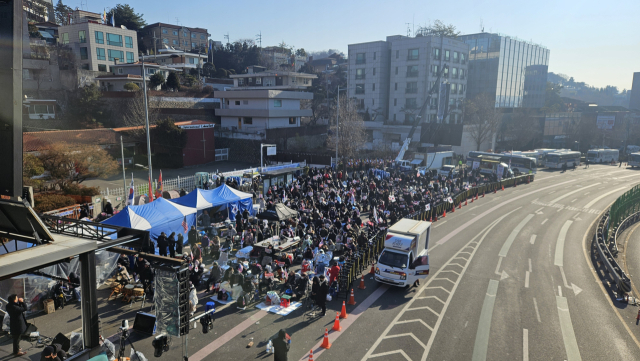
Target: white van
<point>405,257</point>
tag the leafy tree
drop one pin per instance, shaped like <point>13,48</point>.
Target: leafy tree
<point>438,28</point>
<point>552,101</point>
<point>194,72</point>
<point>168,141</point>
<point>61,12</point>
<point>86,108</point>
<point>125,15</point>
<point>209,70</point>
<point>33,31</point>
<point>49,202</point>
<point>482,118</point>
<point>131,87</point>
<point>31,167</point>
<point>301,52</point>
<point>173,81</point>
<point>236,56</point>
<point>68,164</point>
<point>156,80</point>
<point>190,80</point>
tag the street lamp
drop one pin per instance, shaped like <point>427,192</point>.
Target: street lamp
<point>146,123</point>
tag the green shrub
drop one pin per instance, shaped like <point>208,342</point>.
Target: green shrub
<point>131,86</point>
<point>49,202</point>
<point>79,190</point>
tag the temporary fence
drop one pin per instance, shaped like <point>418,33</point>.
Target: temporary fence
<point>622,208</point>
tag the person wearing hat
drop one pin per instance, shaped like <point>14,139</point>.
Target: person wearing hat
<point>49,354</point>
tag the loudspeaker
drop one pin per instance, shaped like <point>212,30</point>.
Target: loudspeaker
<point>64,342</point>
<point>144,323</point>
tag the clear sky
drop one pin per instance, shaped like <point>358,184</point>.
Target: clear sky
<point>594,41</point>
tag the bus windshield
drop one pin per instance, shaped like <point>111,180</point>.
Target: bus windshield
<point>592,154</point>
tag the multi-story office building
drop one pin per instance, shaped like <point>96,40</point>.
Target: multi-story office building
<point>509,70</point>
<point>391,79</point>
<point>161,35</point>
<point>96,45</point>
<point>634,101</point>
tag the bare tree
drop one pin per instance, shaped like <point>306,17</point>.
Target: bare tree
<point>133,112</point>
<point>40,74</point>
<point>482,119</point>
<point>521,131</point>
<point>351,136</point>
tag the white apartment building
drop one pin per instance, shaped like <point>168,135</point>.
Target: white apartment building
<point>178,59</point>
<point>97,45</point>
<point>131,73</point>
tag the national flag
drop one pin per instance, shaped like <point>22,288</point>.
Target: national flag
<point>375,215</point>
<point>160,185</point>
<point>449,199</point>
<point>131,192</point>
<point>104,16</point>
<point>210,47</point>
<point>185,226</point>
<point>427,207</point>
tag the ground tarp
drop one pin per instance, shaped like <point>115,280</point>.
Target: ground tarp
<point>278,213</point>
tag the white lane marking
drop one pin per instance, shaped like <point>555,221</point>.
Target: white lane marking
<point>474,207</point>
<point>560,291</point>
<point>498,266</point>
<point>525,344</point>
<point>533,239</point>
<point>535,305</point>
<point>551,192</point>
<point>526,279</point>
<point>545,221</point>
<point>507,244</point>
<point>593,201</point>
<point>541,208</point>
<point>576,290</point>
<point>484,325</point>
<point>572,192</point>
<point>439,224</point>
<point>629,176</point>
<point>559,257</point>
<point>568,335</point>
<point>530,269</point>
<point>574,200</point>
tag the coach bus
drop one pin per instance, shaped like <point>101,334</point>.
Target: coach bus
<point>603,155</point>
<point>518,162</point>
<point>634,160</point>
<point>556,160</point>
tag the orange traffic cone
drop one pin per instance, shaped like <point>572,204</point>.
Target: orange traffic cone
<point>373,269</point>
<point>310,355</point>
<point>343,313</point>
<point>435,219</point>
<point>444,213</point>
<point>502,187</point>
<point>476,196</point>
<point>453,209</point>
<point>325,341</point>
<point>430,219</point>
<point>362,286</point>
<point>515,183</point>
<point>460,205</point>
<point>482,194</point>
<point>528,179</point>
<point>352,300</point>
<point>471,199</point>
<point>465,202</point>
<point>336,323</point>
<point>495,190</point>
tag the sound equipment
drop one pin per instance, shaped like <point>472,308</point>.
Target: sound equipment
<point>144,323</point>
<point>63,341</point>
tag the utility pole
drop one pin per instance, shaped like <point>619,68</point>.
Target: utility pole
<point>146,123</point>
<point>259,39</point>
<point>124,178</point>
<point>155,45</point>
<point>226,36</point>
<point>337,127</point>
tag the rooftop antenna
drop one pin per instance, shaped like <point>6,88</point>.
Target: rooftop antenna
<point>408,30</point>
<point>226,36</point>
<point>481,26</point>
<point>83,5</point>
<point>413,24</point>
<point>177,21</point>
<point>259,39</point>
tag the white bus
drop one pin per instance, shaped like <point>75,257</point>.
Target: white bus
<point>634,160</point>
<point>556,160</point>
<point>602,155</point>
<point>518,162</point>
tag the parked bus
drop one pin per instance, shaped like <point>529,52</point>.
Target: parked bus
<point>556,160</point>
<point>519,163</point>
<point>603,155</point>
<point>634,160</point>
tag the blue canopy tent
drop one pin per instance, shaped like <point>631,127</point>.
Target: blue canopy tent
<point>156,217</point>
<point>222,197</point>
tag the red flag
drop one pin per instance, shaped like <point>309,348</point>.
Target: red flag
<point>150,190</point>
<point>160,185</point>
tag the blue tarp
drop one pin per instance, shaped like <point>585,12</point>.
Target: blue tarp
<point>221,197</point>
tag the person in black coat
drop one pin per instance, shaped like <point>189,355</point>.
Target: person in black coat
<point>108,208</point>
<point>179,243</point>
<point>162,244</point>
<point>215,276</point>
<point>171,242</point>
<point>321,294</point>
<point>17,322</point>
<point>281,345</point>
<point>49,354</point>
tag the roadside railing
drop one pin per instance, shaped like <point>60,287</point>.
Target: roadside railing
<point>604,247</point>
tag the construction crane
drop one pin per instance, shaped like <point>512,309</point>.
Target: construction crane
<point>418,117</point>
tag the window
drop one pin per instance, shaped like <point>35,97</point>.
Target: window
<point>360,58</point>
<point>394,117</point>
<point>175,33</point>
<point>360,73</point>
<point>412,87</point>
<point>85,66</point>
<point>129,57</point>
<point>359,88</point>
<point>454,73</point>
<point>293,120</point>
<point>84,55</point>
<point>185,42</point>
<point>99,37</point>
<point>410,103</point>
<point>165,41</point>
<point>373,101</point>
<point>114,39</point>
<point>396,87</point>
<point>434,70</point>
<point>237,102</point>
<point>65,38</point>
<point>193,35</point>
<point>374,71</point>
<point>446,72</point>
<point>120,71</point>
<point>201,37</point>
<point>374,55</point>
<point>462,58</point>
<point>412,71</point>
<point>82,35</point>
<point>259,81</point>
<point>128,42</point>
<point>193,61</point>
<point>115,54</point>
<point>247,120</point>
<point>455,57</point>
<point>102,67</point>
<point>194,45</point>
<point>395,102</point>
<point>413,54</point>
<point>100,54</point>
<point>461,73</point>
<point>240,81</point>
<point>26,75</point>
<point>245,102</point>
<point>446,55</point>
<point>374,87</point>
<point>454,88</point>
<point>436,53</point>
<point>175,42</point>
<point>277,103</point>
<point>397,54</point>
<point>185,34</point>
<point>360,103</point>
<point>165,31</point>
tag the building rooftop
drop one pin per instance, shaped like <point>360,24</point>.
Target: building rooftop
<point>201,30</point>
<point>38,141</point>
<point>274,73</point>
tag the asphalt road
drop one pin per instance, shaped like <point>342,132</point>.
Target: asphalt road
<point>511,279</point>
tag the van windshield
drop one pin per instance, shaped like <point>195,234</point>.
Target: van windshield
<point>392,259</point>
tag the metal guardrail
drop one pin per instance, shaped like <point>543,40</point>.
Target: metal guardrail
<point>626,205</point>
<point>603,246</point>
